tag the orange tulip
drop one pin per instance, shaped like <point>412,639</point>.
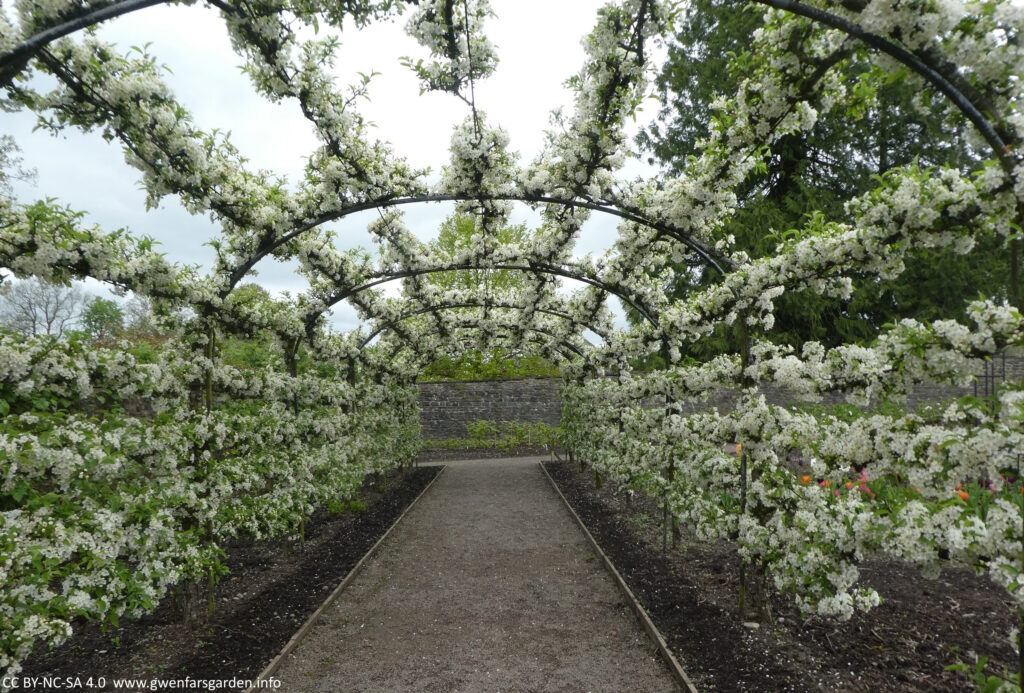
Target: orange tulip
<point>805,479</point>
<point>849,485</point>
<point>958,487</point>
<point>963,495</point>
<point>739,449</point>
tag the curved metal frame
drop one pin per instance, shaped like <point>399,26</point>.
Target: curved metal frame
<point>384,203</point>
<point>554,340</point>
<point>526,328</point>
<point>14,60</point>
<point>534,269</point>
<point>423,358</point>
<point>970,110</point>
<point>433,308</point>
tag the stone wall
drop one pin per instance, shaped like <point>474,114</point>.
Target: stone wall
<point>986,381</point>
<point>447,408</point>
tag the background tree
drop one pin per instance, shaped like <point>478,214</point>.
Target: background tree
<point>34,307</point>
<point>840,158</point>
<point>139,318</point>
<point>462,231</point>
<point>459,232</point>
<point>102,319</point>
<point>254,351</point>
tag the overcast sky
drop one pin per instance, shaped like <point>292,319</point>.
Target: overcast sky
<point>536,57</point>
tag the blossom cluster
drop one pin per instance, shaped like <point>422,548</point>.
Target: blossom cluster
<point>103,514</point>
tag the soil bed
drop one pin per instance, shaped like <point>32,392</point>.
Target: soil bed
<point>273,587</point>
<point>903,645</point>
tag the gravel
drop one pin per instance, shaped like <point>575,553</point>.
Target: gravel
<point>487,584</point>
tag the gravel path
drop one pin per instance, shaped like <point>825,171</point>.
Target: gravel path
<point>486,585</point>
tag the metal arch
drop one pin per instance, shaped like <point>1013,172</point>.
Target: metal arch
<point>557,348</point>
<point>1001,149</point>
<point>510,331</point>
<point>554,340</point>
<point>452,306</point>
<point>15,60</point>
<point>535,269</point>
<point>12,61</point>
<point>383,203</point>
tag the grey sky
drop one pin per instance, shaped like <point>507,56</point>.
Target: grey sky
<point>89,174</point>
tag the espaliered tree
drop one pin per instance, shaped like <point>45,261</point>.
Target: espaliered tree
<point>119,509</point>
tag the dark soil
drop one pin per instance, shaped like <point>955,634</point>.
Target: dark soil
<point>273,587</point>
<point>904,644</point>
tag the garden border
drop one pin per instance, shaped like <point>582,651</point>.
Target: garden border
<point>678,673</point>
<point>303,631</point>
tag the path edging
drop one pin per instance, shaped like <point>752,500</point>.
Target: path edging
<point>652,630</point>
<point>302,632</point>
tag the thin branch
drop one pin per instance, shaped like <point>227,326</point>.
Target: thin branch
<point>15,60</point>
<point>1002,149</point>
<point>629,214</point>
<point>469,57</point>
<point>597,329</point>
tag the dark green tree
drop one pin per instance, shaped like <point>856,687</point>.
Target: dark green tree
<point>840,158</point>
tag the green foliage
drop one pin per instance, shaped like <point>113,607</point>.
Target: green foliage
<point>506,436</point>
<point>322,369</point>
<point>482,429</point>
<point>248,353</point>
<point>102,319</point>
<point>987,683</point>
<point>460,232</point>
<point>496,365</point>
<point>931,413</point>
<point>880,128</point>
<point>144,352</point>
<point>694,73</point>
<point>339,506</point>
